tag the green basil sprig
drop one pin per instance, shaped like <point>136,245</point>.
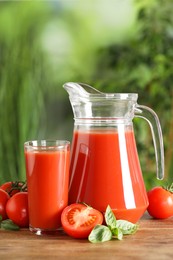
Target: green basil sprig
<point>100,233</point>
<point>8,224</point>
<point>114,229</point>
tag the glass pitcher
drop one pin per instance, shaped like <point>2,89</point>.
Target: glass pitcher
<point>105,168</point>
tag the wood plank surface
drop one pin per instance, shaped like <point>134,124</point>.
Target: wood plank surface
<point>153,240</point>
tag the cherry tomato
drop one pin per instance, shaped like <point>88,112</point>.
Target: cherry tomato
<point>17,209</point>
<point>160,203</point>
<point>78,220</point>
<point>4,197</point>
<point>12,187</point>
<point>6,185</point>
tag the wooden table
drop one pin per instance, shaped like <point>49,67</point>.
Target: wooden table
<point>153,240</point>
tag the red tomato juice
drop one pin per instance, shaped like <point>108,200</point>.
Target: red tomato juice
<point>105,170</point>
<point>47,180</point>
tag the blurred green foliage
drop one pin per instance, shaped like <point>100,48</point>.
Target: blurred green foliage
<point>116,46</point>
<point>144,65</point>
<point>22,84</point>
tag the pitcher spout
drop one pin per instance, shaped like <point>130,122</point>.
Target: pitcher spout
<point>88,102</point>
<point>80,89</point>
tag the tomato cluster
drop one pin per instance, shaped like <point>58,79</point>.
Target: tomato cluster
<point>77,219</point>
<point>14,203</point>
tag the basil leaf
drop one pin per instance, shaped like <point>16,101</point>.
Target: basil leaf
<point>100,233</point>
<point>117,232</point>
<point>9,225</point>
<point>0,217</point>
<point>126,227</point>
<point>110,218</point>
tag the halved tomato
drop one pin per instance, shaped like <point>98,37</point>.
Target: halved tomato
<point>78,220</point>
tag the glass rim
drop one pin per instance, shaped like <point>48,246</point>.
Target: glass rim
<point>46,143</point>
<point>113,96</point>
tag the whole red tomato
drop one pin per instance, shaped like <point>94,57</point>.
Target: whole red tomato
<point>4,197</point>
<point>17,209</point>
<point>160,202</point>
<point>78,220</point>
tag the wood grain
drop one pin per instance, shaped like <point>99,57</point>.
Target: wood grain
<point>153,240</point>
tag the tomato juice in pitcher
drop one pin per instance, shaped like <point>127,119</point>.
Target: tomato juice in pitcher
<point>105,168</point>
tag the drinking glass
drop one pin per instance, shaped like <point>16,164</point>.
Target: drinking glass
<point>47,174</point>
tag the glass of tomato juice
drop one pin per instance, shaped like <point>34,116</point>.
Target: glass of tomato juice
<point>47,174</point>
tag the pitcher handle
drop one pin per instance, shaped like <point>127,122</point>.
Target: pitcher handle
<point>151,117</point>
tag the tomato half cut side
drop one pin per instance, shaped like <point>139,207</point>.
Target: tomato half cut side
<point>78,220</point>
